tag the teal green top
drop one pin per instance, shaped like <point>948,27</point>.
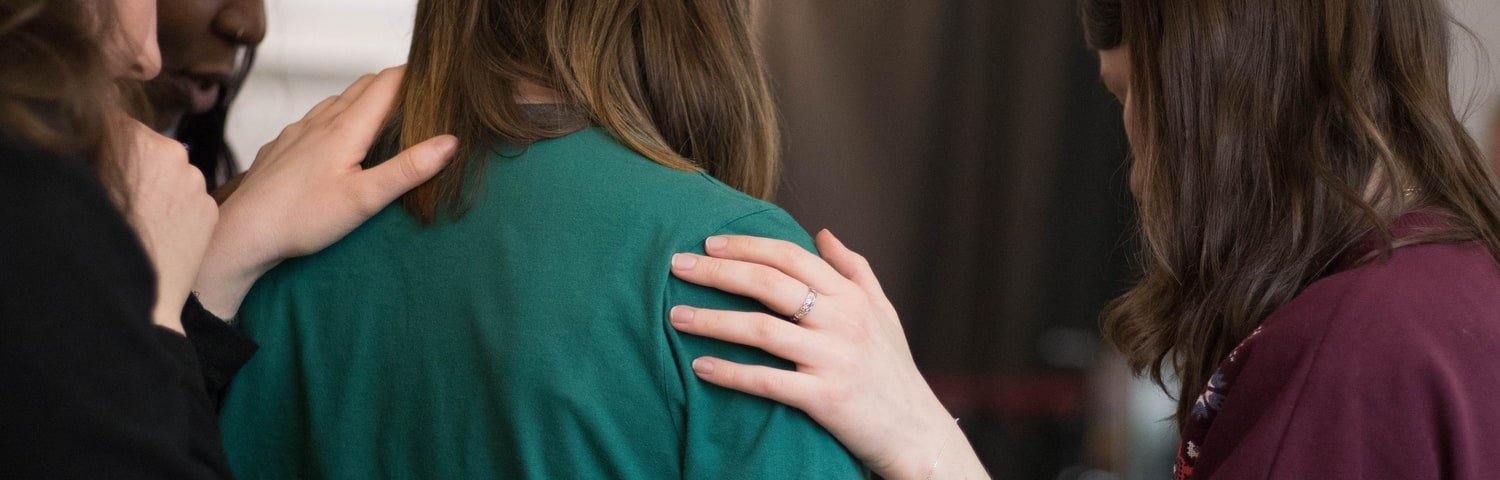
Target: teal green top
<point>528,339</point>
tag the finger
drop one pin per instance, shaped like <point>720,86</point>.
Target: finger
<point>321,107</point>
<point>367,110</point>
<point>849,264</point>
<point>381,185</point>
<point>782,255</point>
<point>774,335</point>
<point>779,292</point>
<point>343,100</point>
<point>789,387</point>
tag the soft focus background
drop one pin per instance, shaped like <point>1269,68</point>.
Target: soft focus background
<point>966,147</point>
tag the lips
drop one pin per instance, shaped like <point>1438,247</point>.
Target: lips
<point>202,89</point>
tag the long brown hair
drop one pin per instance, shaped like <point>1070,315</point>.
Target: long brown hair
<point>1270,137</point>
<point>56,90</point>
<point>678,81</point>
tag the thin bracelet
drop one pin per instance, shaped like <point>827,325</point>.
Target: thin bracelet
<point>942,447</point>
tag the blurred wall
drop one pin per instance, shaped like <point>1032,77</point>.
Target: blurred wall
<point>967,148</point>
<point>314,49</point>
<point>1476,67</point>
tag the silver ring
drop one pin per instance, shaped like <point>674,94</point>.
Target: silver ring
<point>807,305</point>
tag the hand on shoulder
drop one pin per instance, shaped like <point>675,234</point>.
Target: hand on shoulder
<point>307,189</point>
<point>855,374</point>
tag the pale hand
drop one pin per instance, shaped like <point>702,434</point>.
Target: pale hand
<point>306,189</point>
<point>171,212</point>
<point>855,374</point>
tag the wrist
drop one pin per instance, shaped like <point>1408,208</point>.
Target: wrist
<point>930,435</point>
<point>168,314</point>
<point>234,261</point>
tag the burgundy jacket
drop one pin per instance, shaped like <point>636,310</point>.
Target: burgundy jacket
<point>1390,370</point>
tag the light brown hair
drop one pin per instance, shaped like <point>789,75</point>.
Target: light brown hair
<point>56,91</point>
<point>678,81</point>
<point>1273,135</point>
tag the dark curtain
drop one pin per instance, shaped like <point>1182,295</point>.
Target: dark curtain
<point>967,148</point>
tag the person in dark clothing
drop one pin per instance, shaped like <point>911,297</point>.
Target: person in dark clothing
<point>109,366</point>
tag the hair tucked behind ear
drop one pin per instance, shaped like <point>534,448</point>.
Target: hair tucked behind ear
<point>1270,136</point>
<point>679,81</point>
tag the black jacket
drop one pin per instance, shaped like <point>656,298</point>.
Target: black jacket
<point>89,386</point>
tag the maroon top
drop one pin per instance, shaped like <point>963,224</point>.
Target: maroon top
<point>1386,371</point>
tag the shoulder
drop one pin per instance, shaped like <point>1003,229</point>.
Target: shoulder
<point>1401,345</point>
<point>1425,305</point>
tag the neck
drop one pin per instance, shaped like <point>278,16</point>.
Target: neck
<point>528,93</point>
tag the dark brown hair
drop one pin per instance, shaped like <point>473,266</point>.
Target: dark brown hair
<point>678,81</point>
<point>56,90</point>
<point>1270,137</point>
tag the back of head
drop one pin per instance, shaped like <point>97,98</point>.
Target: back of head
<point>55,88</point>
<point>1269,137</point>
<point>678,81</point>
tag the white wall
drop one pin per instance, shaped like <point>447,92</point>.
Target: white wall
<point>314,49</point>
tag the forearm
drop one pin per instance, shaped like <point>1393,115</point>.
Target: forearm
<point>934,448</point>
<point>957,460</point>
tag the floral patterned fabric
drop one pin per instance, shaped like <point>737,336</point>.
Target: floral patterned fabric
<point>1205,409</point>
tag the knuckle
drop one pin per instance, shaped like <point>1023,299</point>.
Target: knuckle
<point>712,268</point>
<point>738,243</point>
<point>787,253</point>
<point>361,198</point>
<point>766,278</point>
<point>765,332</point>
<point>765,384</point>
<point>859,259</point>
<point>834,395</point>
<point>408,169</point>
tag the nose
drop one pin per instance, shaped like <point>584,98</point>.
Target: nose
<point>242,21</point>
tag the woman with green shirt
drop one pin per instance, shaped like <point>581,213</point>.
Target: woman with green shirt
<point>509,319</point>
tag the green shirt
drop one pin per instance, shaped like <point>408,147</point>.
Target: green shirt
<point>528,339</point>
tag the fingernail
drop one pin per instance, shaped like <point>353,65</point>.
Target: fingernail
<point>715,243</point>
<point>684,261</point>
<point>703,367</point>
<point>447,145</point>
<point>681,315</point>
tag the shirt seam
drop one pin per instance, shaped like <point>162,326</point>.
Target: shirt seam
<point>667,362</point>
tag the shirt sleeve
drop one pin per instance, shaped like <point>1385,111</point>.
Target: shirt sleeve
<point>730,435</point>
<point>89,386</point>
<point>221,349</point>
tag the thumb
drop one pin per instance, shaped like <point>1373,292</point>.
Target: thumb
<point>381,185</point>
<point>851,265</point>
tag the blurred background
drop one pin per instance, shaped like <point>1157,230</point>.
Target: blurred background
<point>967,148</point>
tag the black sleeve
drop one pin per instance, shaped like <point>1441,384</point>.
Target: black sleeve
<point>89,386</point>
<point>221,348</point>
